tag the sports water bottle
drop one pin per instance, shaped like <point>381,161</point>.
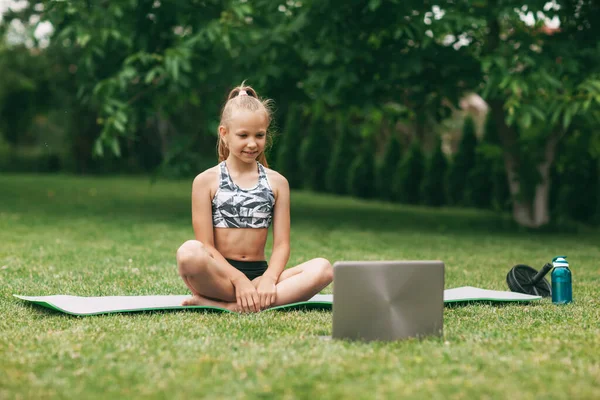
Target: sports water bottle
<point>562,291</point>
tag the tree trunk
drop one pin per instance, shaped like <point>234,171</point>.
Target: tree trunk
<point>531,212</point>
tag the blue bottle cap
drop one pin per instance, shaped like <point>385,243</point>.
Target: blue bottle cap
<point>560,261</point>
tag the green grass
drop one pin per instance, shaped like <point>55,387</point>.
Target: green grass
<point>118,236</point>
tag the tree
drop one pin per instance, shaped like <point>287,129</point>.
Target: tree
<point>25,91</point>
<point>162,67</point>
<point>537,81</point>
<point>143,66</point>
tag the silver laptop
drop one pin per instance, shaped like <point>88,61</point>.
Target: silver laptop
<point>387,300</point>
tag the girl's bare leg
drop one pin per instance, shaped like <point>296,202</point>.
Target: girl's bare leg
<point>303,281</point>
<point>210,286</point>
<point>205,277</point>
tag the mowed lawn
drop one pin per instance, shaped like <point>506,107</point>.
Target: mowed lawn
<point>118,236</point>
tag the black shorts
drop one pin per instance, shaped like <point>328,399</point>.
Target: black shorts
<point>252,269</point>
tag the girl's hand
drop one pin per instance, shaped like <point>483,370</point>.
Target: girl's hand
<point>267,291</point>
<point>246,295</point>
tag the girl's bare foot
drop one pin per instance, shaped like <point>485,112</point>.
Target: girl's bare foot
<point>197,300</point>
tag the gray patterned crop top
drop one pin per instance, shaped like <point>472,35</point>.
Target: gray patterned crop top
<point>234,207</point>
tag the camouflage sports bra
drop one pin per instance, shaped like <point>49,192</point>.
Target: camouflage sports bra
<point>235,207</point>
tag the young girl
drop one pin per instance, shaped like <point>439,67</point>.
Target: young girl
<point>233,205</point>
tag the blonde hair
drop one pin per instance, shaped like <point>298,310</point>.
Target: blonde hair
<point>247,101</point>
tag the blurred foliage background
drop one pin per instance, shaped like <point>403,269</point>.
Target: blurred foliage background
<point>486,103</point>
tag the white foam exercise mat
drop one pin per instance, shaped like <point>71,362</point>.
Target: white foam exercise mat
<point>76,305</point>
<point>470,293</point>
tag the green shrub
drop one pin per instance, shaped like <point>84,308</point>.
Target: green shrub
<point>341,161</point>
<point>385,170</point>
<point>478,191</point>
<point>575,181</point>
<point>462,165</point>
<point>433,189</point>
<point>28,160</point>
<point>596,217</point>
<point>491,149</point>
<point>480,180</point>
<point>287,148</point>
<point>501,197</point>
<point>360,180</point>
<point>409,175</point>
<point>315,153</point>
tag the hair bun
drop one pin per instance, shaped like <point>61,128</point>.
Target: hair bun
<point>242,90</point>
<point>234,93</point>
<point>250,92</point>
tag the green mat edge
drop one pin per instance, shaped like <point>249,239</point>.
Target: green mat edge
<point>492,300</point>
<point>319,305</point>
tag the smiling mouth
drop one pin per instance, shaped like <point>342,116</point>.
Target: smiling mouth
<point>250,153</point>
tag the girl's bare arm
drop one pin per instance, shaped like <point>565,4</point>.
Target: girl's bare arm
<point>281,227</point>
<point>202,192</point>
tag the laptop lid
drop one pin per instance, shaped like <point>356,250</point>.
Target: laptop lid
<point>387,300</point>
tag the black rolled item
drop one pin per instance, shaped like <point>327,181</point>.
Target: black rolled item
<point>524,279</point>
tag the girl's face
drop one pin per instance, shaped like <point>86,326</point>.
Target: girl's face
<point>245,134</point>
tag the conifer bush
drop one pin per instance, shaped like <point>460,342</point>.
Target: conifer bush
<point>462,165</point>
<point>501,197</point>
<point>433,189</point>
<point>287,149</point>
<point>480,182</point>
<point>575,181</point>
<point>361,175</point>
<point>409,175</point>
<point>341,160</point>
<point>491,148</point>
<point>386,169</point>
<point>315,153</point>
<point>596,217</point>
<point>478,190</point>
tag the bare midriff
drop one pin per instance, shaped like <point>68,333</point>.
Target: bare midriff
<point>242,244</point>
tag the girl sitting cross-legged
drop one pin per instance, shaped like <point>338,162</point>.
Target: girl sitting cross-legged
<point>233,205</point>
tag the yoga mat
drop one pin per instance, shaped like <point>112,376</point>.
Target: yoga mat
<point>76,305</point>
<point>470,293</point>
